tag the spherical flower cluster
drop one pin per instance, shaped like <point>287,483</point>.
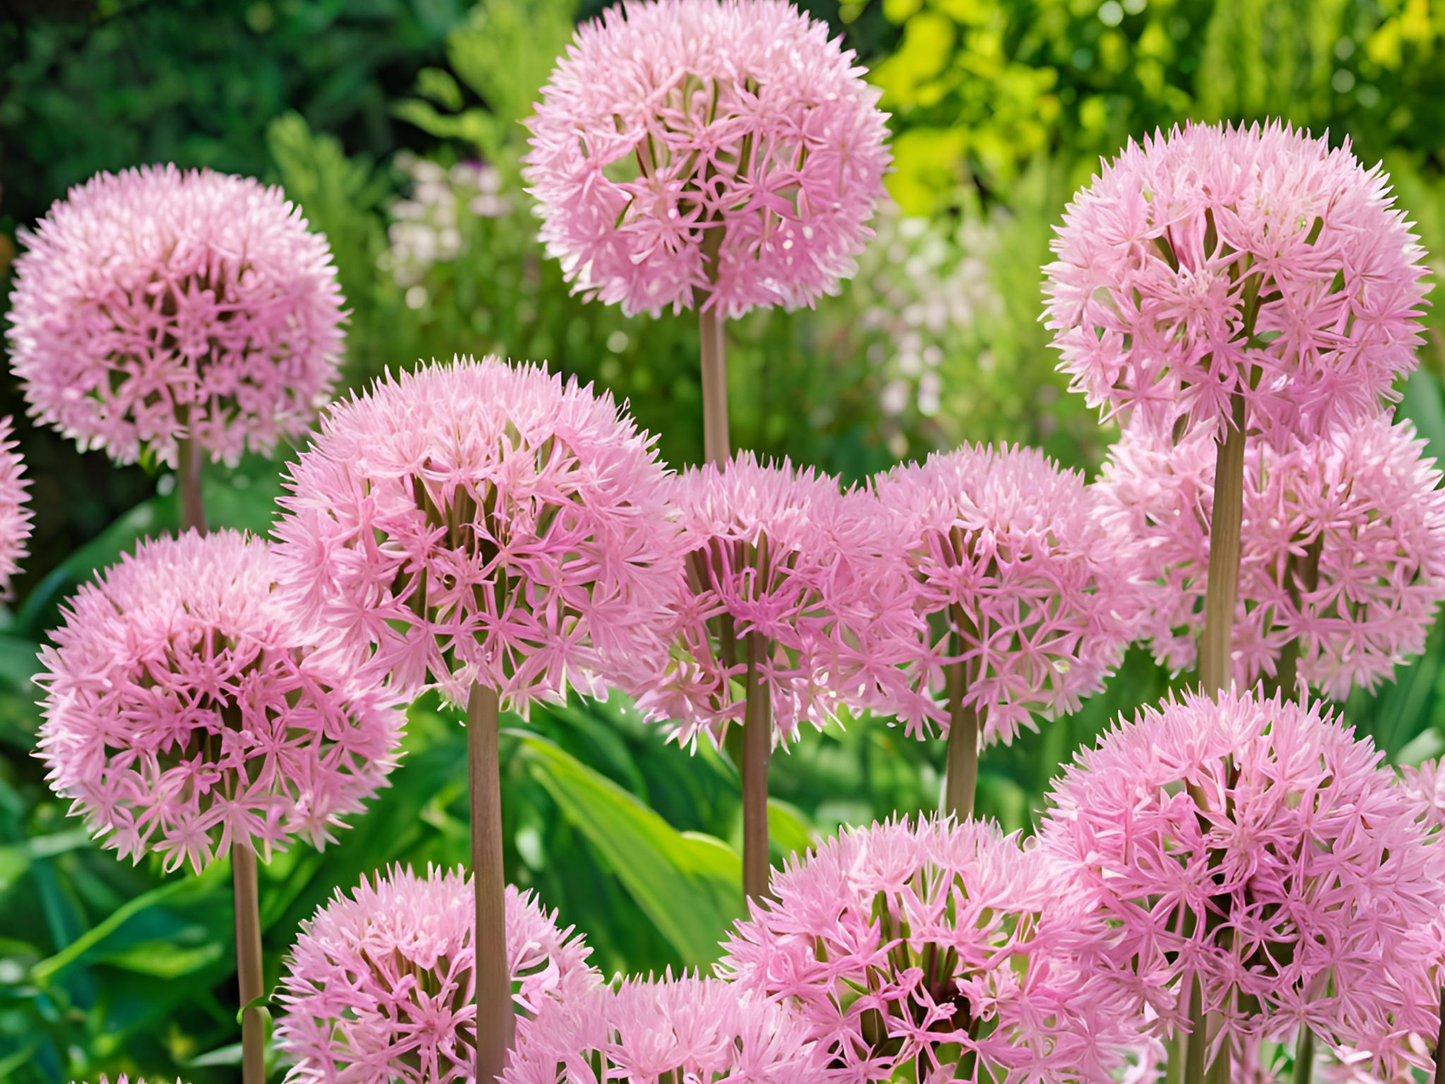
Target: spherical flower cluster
<point>14,513</point>
<point>1219,262</point>
<point>379,985</point>
<point>479,523</point>
<point>158,306</point>
<point>1256,846</point>
<point>935,944</point>
<point>1343,551</point>
<point>706,148</point>
<point>1015,580</point>
<point>185,713</point>
<point>1425,785</point>
<point>781,555</point>
<point>689,1029</point>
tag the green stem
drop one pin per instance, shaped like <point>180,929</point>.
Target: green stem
<point>757,751</point>
<point>250,979</point>
<point>1304,1057</point>
<point>495,1020</point>
<point>188,474</point>
<point>961,780</point>
<point>1440,1044</point>
<point>1226,519</point>
<point>1196,1045</point>
<point>715,442</point>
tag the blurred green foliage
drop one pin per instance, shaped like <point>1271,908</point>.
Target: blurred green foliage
<point>395,124</point>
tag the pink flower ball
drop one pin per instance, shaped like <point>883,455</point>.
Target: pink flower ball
<point>157,306</point>
<point>480,523</point>
<point>1343,549</point>
<point>909,947</point>
<point>778,552</point>
<point>184,709</point>
<point>1222,261</point>
<point>379,985</point>
<point>687,1030</point>
<point>1257,846</point>
<point>1014,576</point>
<point>695,148</point>
<point>15,514</point>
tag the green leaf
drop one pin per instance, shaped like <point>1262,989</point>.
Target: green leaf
<point>96,935</point>
<point>164,959</point>
<point>688,884</point>
<point>147,519</point>
<point>18,664</point>
<point>788,831</point>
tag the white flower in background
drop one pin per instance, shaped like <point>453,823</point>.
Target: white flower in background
<point>426,228</point>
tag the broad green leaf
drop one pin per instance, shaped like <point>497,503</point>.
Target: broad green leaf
<point>788,830</point>
<point>687,883</point>
<point>96,936</point>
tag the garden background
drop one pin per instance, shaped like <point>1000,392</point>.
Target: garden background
<point>394,123</point>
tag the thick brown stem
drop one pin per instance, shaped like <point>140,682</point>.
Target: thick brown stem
<point>193,510</point>
<point>962,775</point>
<point>249,975</point>
<point>495,1020</point>
<point>715,442</point>
<point>757,751</point>
<point>1216,644</point>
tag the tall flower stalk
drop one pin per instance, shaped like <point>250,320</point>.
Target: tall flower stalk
<point>717,155</point>
<point>1252,283</point>
<point>770,620</point>
<point>1023,604</point>
<point>498,535</point>
<point>173,315</point>
<point>186,713</point>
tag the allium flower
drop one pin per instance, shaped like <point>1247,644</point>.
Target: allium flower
<point>1343,548</point>
<point>479,523</point>
<point>379,986</point>
<point>783,554</point>
<point>1257,846</point>
<point>931,943</point>
<point>184,711</point>
<point>718,147</point>
<point>1015,578</point>
<point>14,513</point>
<point>157,306</point>
<point>689,1029</point>
<point>1425,785</point>
<point>1222,261</point>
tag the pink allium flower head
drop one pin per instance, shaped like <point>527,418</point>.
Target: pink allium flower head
<point>184,710</point>
<point>14,511</point>
<point>1220,261</point>
<point>718,147</point>
<point>379,985</point>
<point>781,553</point>
<point>689,1029</point>
<point>1425,786</point>
<point>927,942</point>
<point>1257,846</point>
<point>479,523</point>
<point>1343,548</point>
<point>1016,578</point>
<point>158,305</point>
